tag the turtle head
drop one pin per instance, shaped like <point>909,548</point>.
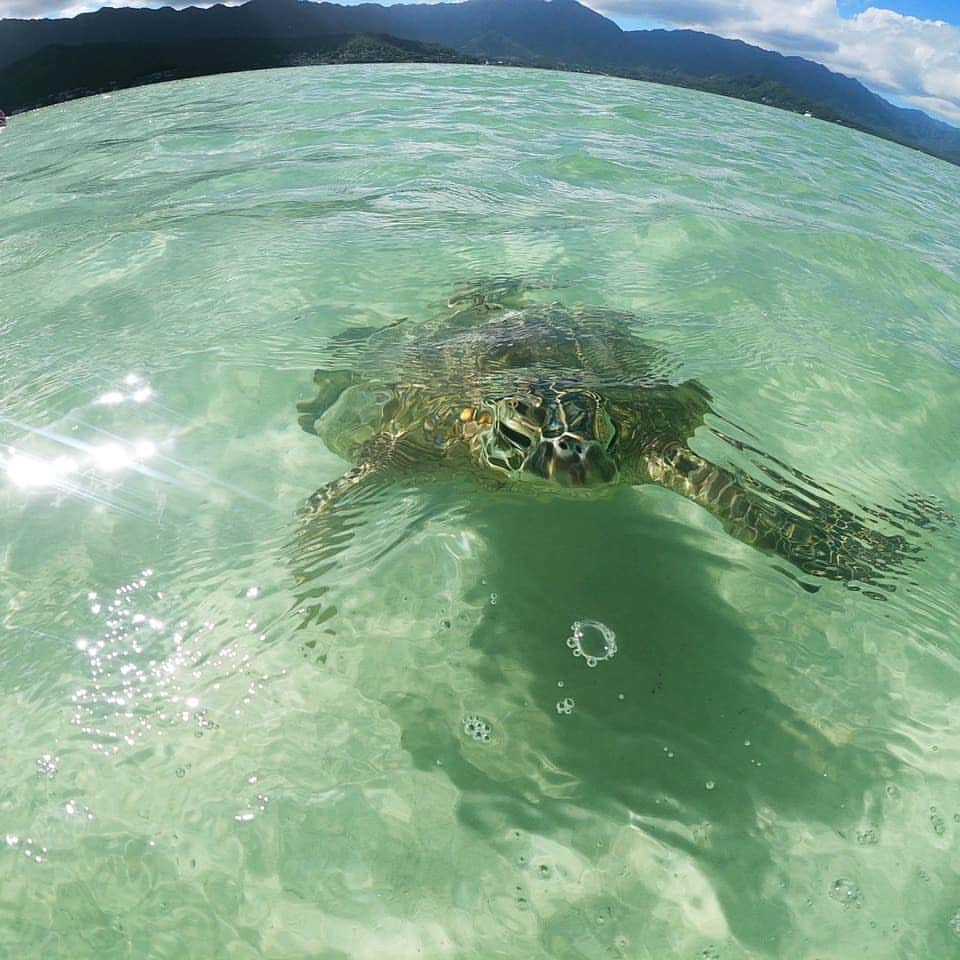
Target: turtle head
<point>564,436</point>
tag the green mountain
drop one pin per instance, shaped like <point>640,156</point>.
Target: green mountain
<point>58,72</point>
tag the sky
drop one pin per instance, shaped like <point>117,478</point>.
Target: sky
<point>906,50</point>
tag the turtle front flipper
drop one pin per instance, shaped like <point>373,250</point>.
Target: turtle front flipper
<point>336,515</point>
<point>816,535</point>
<point>330,384</point>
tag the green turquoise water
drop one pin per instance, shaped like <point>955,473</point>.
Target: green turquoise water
<point>190,771</point>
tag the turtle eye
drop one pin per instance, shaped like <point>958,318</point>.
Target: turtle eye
<point>528,411</point>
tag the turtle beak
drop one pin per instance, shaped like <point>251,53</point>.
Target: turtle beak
<point>572,462</point>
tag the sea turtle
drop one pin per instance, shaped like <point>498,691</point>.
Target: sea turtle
<point>566,400</point>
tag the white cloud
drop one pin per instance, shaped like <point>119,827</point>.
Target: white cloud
<point>915,61</point>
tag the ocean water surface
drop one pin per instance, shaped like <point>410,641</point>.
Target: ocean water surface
<point>193,768</point>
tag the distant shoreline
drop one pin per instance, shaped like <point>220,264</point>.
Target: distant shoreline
<point>58,74</point>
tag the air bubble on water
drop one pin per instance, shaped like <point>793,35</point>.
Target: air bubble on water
<point>478,728</point>
<point>846,892</point>
<point>710,785</point>
<point>74,809</point>
<point>746,743</point>
<point>493,599</point>
<point>937,822</point>
<point>181,773</point>
<point>868,838</point>
<point>559,683</point>
<point>566,705</point>
<point>620,696</point>
<point>592,640</point>
<point>48,764</point>
<point>252,593</point>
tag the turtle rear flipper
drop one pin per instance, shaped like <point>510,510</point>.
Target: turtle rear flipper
<point>813,533</point>
<point>330,384</point>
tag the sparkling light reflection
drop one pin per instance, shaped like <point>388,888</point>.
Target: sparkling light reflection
<point>26,471</point>
<point>32,471</point>
<point>91,471</point>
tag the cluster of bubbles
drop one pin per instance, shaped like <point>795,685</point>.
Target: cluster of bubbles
<point>146,675</point>
<point>477,728</point>
<point>565,705</point>
<point>868,837</point>
<point>846,892</point>
<point>31,851</point>
<point>74,809</point>
<point>592,640</point>
<point>47,765</point>
<point>256,806</point>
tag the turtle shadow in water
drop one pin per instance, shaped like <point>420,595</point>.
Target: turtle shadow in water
<point>684,668</point>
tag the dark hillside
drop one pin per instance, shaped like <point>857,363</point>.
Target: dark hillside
<point>58,73</point>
